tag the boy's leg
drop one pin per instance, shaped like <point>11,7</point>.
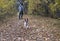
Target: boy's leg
<point>22,14</point>
<point>19,15</point>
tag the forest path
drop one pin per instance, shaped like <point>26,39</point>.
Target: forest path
<point>41,29</point>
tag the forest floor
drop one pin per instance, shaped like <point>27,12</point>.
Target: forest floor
<point>40,29</point>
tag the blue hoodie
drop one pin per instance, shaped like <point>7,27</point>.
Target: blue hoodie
<point>20,8</point>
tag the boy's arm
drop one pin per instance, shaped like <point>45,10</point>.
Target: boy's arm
<point>19,8</point>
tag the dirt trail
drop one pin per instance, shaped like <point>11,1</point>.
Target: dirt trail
<point>41,29</point>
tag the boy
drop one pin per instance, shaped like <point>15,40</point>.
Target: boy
<point>21,9</point>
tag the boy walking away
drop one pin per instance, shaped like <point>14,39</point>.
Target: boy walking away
<point>21,9</point>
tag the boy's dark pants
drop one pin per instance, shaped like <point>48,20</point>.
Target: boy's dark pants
<point>21,15</point>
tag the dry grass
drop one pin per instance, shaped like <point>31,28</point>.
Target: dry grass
<point>41,29</point>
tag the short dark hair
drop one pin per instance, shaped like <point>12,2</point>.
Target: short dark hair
<point>21,3</point>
